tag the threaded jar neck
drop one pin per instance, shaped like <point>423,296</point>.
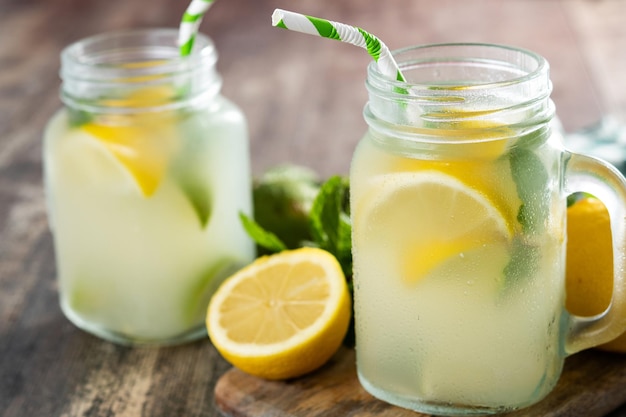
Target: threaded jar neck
<point>460,87</point>
<point>100,73</point>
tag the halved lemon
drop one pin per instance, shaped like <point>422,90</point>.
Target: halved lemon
<point>282,316</point>
<point>421,220</point>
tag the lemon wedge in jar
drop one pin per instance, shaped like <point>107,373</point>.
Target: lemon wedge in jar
<point>433,218</point>
<point>141,142</point>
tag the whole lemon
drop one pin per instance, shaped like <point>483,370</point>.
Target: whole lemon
<point>589,266</point>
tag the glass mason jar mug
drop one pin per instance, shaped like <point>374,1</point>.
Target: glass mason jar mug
<point>458,197</point>
<point>146,169</point>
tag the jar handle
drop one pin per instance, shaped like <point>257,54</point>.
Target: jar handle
<point>602,180</point>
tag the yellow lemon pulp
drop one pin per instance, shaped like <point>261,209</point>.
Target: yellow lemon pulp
<point>433,217</point>
<point>589,265</point>
<point>423,257</point>
<point>478,163</point>
<point>283,315</point>
<point>142,142</point>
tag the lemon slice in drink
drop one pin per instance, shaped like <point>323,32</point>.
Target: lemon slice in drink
<point>283,315</point>
<point>478,158</point>
<point>425,219</point>
<point>140,142</point>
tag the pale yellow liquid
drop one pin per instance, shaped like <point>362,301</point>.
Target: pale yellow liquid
<point>141,269</point>
<point>461,338</point>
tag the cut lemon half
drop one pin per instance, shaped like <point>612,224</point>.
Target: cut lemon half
<point>283,315</point>
<point>422,220</point>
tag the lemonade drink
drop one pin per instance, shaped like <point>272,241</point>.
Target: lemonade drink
<point>471,290</point>
<point>146,175</point>
<point>458,206</point>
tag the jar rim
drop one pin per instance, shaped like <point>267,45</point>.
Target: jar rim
<point>530,66</point>
<point>101,56</point>
<point>462,88</point>
<point>110,64</point>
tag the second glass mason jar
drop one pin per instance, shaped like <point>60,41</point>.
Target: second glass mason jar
<point>146,170</point>
<point>458,199</point>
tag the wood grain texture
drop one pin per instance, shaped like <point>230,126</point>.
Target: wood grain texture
<point>303,98</point>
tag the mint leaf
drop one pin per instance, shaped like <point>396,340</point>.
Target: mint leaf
<point>532,184</point>
<point>78,118</point>
<point>262,237</point>
<point>330,221</point>
<point>531,180</point>
<point>199,196</point>
<point>343,251</point>
<point>189,168</point>
<point>324,217</point>
<point>206,285</point>
<point>283,197</point>
<point>190,179</point>
<point>524,261</point>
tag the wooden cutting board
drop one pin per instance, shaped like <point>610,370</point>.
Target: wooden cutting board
<point>593,384</point>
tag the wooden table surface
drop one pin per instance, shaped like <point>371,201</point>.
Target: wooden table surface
<point>303,97</point>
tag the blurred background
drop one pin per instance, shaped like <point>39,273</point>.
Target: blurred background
<point>304,96</point>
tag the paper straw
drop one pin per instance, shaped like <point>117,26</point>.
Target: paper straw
<point>190,23</point>
<point>341,32</point>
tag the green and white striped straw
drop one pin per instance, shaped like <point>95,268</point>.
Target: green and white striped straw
<point>341,32</point>
<point>190,23</point>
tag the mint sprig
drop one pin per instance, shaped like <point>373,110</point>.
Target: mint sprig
<point>197,192</point>
<point>524,262</point>
<point>328,222</point>
<point>77,118</point>
<point>531,180</point>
